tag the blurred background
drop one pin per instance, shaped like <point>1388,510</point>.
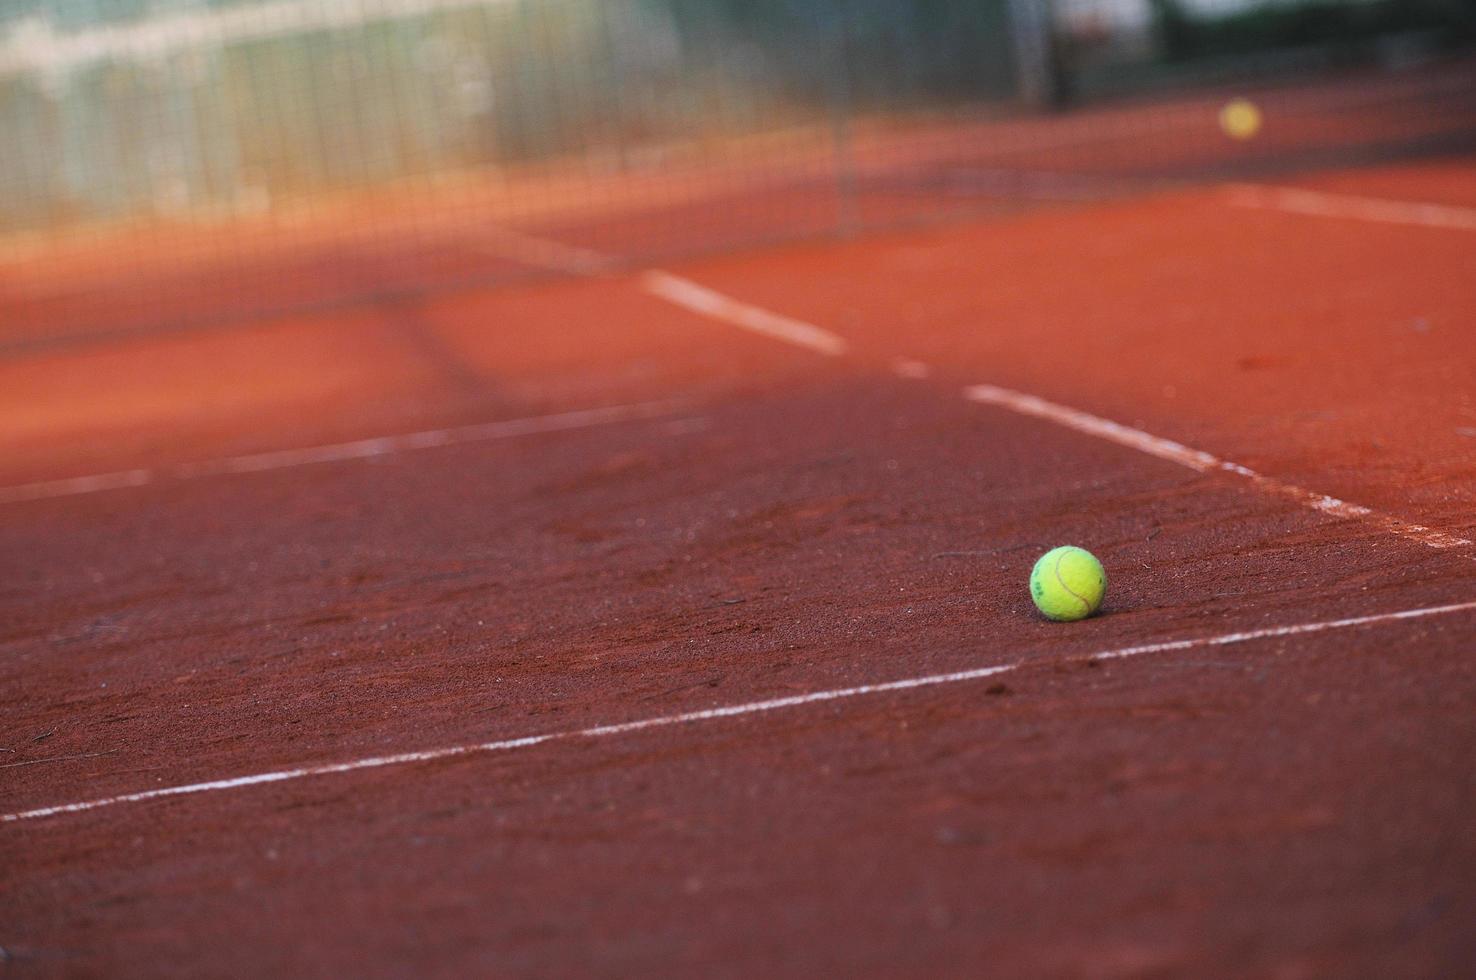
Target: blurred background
<point>169,164</point>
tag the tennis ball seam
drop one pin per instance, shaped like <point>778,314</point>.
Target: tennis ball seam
<point>1056,570</point>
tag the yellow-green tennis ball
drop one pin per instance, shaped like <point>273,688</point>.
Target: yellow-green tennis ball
<point>1068,584</point>
<point>1240,119</point>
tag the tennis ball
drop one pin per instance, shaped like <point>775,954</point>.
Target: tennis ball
<point>1067,584</point>
<point>1240,119</point>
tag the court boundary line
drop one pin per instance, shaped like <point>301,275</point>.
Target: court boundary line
<point>710,303</point>
<point>1352,207</point>
<point>539,252</point>
<point>1203,462</point>
<point>370,448</point>
<point>683,292</point>
<point>722,712</point>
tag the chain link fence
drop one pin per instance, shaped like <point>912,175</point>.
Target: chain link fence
<point>209,108</point>
<point>289,152</point>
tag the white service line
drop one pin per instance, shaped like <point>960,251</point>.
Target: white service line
<point>362,449</point>
<point>1203,462</point>
<point>1321,204</point>
<point>713,714</point>
<point>710,303</point>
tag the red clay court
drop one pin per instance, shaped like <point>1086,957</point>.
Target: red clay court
<point>397,590</point>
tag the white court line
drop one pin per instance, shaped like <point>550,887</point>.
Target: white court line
<point>904,367</point>
<point>1201,461</point>
<point>703,300</point>
<point>1321,204</point>
<point>362,449</point>
<point>544,253</point>
<point>713,714</point>
<point>710,303</point>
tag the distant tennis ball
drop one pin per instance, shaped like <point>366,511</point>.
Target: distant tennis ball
<point>1068,584</point>
<point>1240,119</point>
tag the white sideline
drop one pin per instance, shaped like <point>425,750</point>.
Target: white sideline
<point>1321,204</point>
<point>710,303</point>
<point>712,714</point>
<point>1203,462</point>
<point>362,449</point>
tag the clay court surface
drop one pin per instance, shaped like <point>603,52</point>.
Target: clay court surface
<point>624,510</point>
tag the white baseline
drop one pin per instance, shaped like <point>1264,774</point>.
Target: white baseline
<point>714,714</point>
